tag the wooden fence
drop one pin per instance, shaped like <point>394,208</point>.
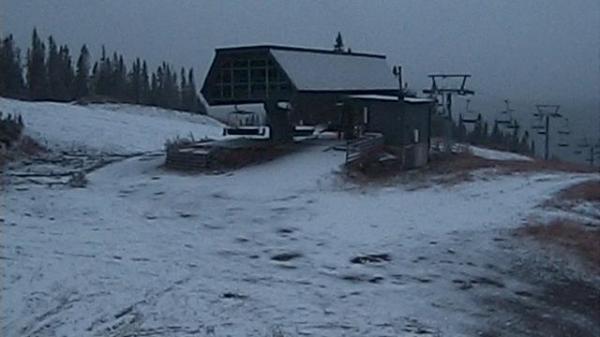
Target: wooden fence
<point>364,148</point>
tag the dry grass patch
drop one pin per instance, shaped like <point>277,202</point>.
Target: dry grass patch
<point>25,147</point>
<point>571,235</point>
<point>588,190</point>
<point>454,168</point>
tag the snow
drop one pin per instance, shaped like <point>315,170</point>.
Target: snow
<point>110,128</point>
<point>144,251</point>
<point>393,98</point>
<point>328,71</point>
<point>497,155</point>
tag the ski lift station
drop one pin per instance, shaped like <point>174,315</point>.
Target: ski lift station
<point>307,91</point>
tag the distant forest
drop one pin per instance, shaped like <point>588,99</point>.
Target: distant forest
<point>48,73</point>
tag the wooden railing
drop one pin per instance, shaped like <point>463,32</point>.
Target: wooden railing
<point>364,148</point>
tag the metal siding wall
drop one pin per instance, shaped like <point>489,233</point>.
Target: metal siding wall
<point>314,108</point>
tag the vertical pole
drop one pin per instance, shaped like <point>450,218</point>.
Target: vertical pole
<point>547,140</point>
<point>400,90</point>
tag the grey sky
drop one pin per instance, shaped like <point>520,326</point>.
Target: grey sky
<point>526,50</point>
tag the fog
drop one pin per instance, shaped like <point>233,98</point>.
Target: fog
<point>530,52</point>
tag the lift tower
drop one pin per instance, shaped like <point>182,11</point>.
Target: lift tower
<point>545,112</point>
<point>443,96</point>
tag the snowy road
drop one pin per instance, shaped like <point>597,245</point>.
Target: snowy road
<point>266,248</point>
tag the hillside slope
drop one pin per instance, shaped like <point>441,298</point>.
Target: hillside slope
<point>108,128</point>
<point>287,247</point>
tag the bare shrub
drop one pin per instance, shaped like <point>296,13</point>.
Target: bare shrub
<point>78,180</point>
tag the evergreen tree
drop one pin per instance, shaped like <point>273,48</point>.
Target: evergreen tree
<point>37,73</point>
<point>54,71</point>
<point>81,87</point>
<point>69,72</point>
<point>105,83</point>
<point>183,91</point>
<point>11,75</point>
<point>485,133</point>
<point>524,144</point>
<point>339,43</point>
<point>154,90</point>
<point>475,137</point>
<point>119,87</point>
<point>496,136</point>
<point>194,104</point>
<point>135,85</point>
<point>145,87</point>
<point>514,138</point>
<point>93,87</point>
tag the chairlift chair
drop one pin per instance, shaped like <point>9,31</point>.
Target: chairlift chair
<point>563,133</point>
<point>584,143</point>
<point>564,128</point>
<point>469,116</point>
<point>513,125</point>
<point>503,118</point>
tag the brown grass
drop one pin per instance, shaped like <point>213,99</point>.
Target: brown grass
<point>456,168</point>
<point>25,147</point>
<point>588,190</point>
<point>569,234</point>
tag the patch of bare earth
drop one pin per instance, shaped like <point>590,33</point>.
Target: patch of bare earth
<point>559,261</point>
<point>452,169</point>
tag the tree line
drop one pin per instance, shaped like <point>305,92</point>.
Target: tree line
<point>51,75</point>
<point>506,138</point>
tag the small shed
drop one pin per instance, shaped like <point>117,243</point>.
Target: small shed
<point>405,123</point>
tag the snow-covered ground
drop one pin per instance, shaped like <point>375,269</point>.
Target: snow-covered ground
<point>497,155</point>
<point>109,128</point>
<point>143,251</point>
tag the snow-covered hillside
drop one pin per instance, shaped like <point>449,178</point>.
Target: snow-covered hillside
<point>111,128</point>
<point>497,155</point>
<point>285,246</point>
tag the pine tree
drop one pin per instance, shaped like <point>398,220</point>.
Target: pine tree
<point>54,73</point>
<point>66,74</point>
<point>81,87</point>
<point>154,91</point>
<point>183,90</point>
<point>524,143</point>
<point>461,132</point>
<point>339,43</point>
<point>194,104</point>
<point>37,73</point>
<point>496,136</point>
<point>119,79</point>
<point>11,75</point>
<point>102,77</point>
<point>145,86</point>
<point>135,87</point>
<point>485,132</point>
<point>514,138</point>
<point>93,83</point>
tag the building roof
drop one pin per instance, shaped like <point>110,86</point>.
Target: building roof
<point>293,48</point>
<point>316,70</point>
<point>393,98</point>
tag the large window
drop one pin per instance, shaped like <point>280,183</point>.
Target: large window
<point>248,78</point>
